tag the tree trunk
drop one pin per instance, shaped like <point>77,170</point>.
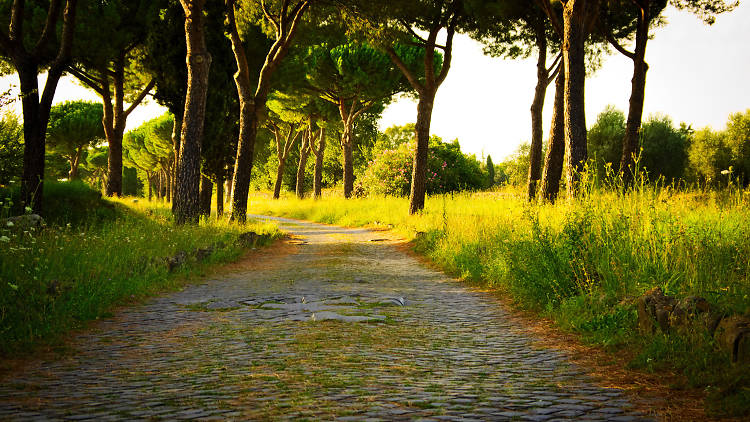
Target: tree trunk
<point>220,196</point>
<point>159,185</point>
<point>537,106</point>
<point>34,137</point>
<point>346,145</point>
<point>303,152</point>
<point>74,163</point>
<point>319,154</point>
<point>574,32</point>
<point>150,181</point>
<point>228,188</point>
<point>419,171</point>
<point>279,177</point>
<point>176,128</point>
<point>243,164</point>
<point>553,162</point>
<point>206,191</point>
<point>630,143</point>
<point>198,59</point>
<point>114,136</point>
<point>168,173</point>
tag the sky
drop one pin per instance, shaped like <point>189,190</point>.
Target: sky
<point>697,74</point>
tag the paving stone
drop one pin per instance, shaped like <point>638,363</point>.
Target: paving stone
<point>226,348</point>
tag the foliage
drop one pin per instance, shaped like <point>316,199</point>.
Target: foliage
<point>74,127</point>
<point>11,148</point>
<point>149,147</point>
<point>738,140</point>
<point>709,155</point>
<point>448,170</point>
<point>664,151</point>
<point>490,169</point>
<point>515,169</point>
<point>56,279</point>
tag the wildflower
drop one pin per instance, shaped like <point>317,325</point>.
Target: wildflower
<point>28,209</point>
<point>725,172</point>
<point>9,224</point>
<point>4,239</point>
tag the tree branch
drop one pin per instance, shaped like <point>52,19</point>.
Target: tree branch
<point>63,56</point>
<point>411,77</point>
<point>270,17</point>
<point>611,39</point>
<point>448,51</point>
<point>87,79</point>
<point>140,97</point>
<point>550,12</point>
<point>16,21</point>
<point>49,26</point>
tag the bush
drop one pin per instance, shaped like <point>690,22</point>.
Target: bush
<point>448,170</point>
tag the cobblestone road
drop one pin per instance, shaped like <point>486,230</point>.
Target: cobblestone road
<point>269,344</point>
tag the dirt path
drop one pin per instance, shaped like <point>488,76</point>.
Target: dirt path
<point>266,341</point>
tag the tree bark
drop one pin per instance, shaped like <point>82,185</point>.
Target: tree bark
<point>347,147</point>
<point>74,163</point>
<point>34,138</point>
<point>419,172</point>
<point>303,152</point>
<point>206,192</point>
<point>220,196</point>
<point>186,207</point>
<point>553,162</point>
<point>279,177</point>
<point>631,141</point>
<point>149,179</point>
<point>574,36</point>
<point>35,108</point>
<point>319,154</point>
<point>114,160</point>
<point>176,128</point>
<point>537,106</point>
<point>252,105</point>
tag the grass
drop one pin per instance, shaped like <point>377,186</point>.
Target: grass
<point>93,255</point>
<point>583,263</point>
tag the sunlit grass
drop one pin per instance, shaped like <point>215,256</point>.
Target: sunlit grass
<point>55,278</point>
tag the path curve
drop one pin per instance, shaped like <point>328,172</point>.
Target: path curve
<point>279,342</point>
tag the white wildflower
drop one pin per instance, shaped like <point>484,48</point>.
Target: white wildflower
<point>4,239</point>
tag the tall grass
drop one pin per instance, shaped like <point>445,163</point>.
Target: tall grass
<point>584,262</point>
<point>55,278</point>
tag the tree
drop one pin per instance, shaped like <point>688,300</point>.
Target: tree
<point>186,206</point>
<point>106,65</point>
<point>738,140</point>
<point>397,23</point>
<point>665,149</point>
<point>709,155</point>
<point>285,134</point>
<point>554,158</point>
<point>356,78</point>
<point>74,126</point>
<point>647,15</point>
<point>605,139</point>
<point>579,16</point>
<point>284,19</point>
<point>514,29</point>
<point>31,45</point>
<point>490,172</point>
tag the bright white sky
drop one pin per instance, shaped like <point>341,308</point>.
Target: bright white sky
<point>697,74</point>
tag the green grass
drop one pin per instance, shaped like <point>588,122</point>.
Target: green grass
<point>56,278</point>
<point>583,263</point>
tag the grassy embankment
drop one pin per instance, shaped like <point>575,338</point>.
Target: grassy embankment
<point>584,263</point>
<point>94,255</point>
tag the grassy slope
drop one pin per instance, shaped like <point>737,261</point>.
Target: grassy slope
<point>584,263</point>
<point>113,252</point>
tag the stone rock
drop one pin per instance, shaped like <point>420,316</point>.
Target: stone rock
<point>176,261</point>
<point>22,222</point>
<point>733,335</point>
<point>328,315</point>
<point>203,253</point>
<point>654,310</point>
<point>248,239</point>
<point>688,310</point>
